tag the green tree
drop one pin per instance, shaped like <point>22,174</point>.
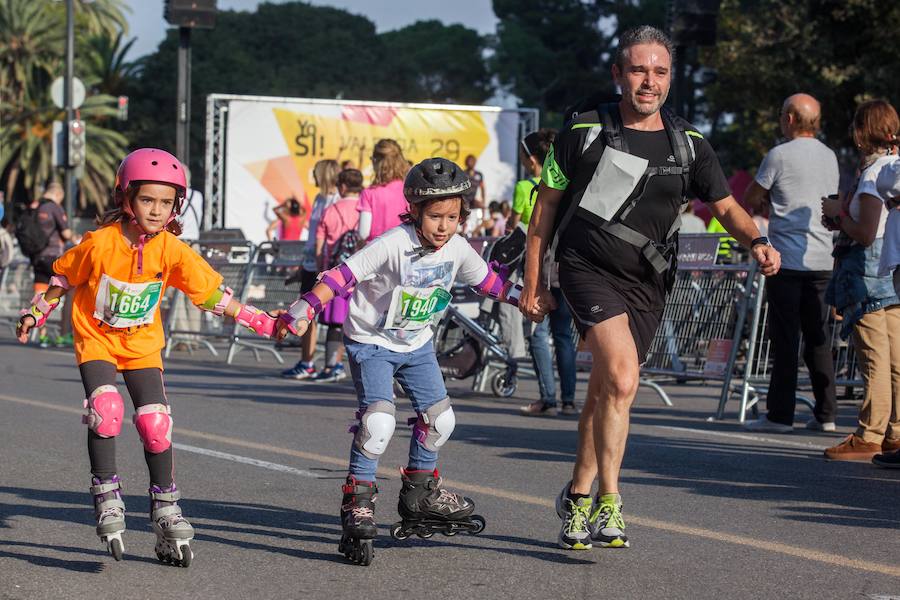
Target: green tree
<point>549,52</point>
<point>438,63</point>
<point>298,50</point>
<point>31,54</point>
<point>840,51</point>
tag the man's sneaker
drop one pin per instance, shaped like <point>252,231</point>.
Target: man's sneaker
<point>302,370</point>
<point>607,525</point>
<point>853,448</point>
<point>816,425</point>
<point>888,460</point>
<point>764,425</point>
<point>574,533</point>
<point>335,373</point>
<point>568,409</point>
<point>538,408</point>
<point>44,341</point>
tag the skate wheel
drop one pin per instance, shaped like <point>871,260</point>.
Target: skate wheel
<point>425,534</point>
<point>479,523</point>
<point>366,552</point>
<point>397,532</point>
<point>116,549</point>
<point>450,532</point>
<point>187,555</point>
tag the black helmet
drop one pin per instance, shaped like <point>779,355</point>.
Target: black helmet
<point>435,178</point>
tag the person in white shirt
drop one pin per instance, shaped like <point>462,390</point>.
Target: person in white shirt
<point>400,286</point>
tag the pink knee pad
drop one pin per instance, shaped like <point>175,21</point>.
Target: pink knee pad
<point>154,425</point>
<point>105,411</point>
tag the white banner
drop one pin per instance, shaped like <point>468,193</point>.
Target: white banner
<point>273,146</point>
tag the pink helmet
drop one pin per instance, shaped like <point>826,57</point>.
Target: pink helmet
<point>151,165</point>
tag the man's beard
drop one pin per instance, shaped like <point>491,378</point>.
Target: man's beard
<point>645,109</point>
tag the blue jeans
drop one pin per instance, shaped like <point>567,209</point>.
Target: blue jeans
<point>559,324</point>
<point>373,369</point>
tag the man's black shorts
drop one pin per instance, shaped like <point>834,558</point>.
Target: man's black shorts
<point>592,300</point>
<point>43,268</point>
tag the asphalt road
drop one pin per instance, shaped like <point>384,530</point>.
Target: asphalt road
<point>713,512</point>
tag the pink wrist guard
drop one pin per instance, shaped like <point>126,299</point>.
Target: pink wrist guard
<point>260,322</point>
<point>40,309</point>
<point>497,286</point>
<point>305,308</point>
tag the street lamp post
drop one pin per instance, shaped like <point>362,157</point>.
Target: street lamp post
<point>68,101</point>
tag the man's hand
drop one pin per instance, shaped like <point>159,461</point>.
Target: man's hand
<point>769,258</point>
<point>535,302</point>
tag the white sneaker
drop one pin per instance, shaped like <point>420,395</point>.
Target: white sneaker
<point>765,425</point>
<point>815,425</point>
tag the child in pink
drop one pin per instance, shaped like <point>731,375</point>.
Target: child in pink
<point>336,239</point>
<point>381,204</point>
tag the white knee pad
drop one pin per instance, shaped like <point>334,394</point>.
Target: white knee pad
<point>105,411</point>
<point>376,426</point>
<point>434,426</point>
<point>154,426</point>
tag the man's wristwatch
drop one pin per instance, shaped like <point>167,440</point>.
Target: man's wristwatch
<point>760,240</point>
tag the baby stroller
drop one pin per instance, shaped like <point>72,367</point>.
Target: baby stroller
<point>468,347</point>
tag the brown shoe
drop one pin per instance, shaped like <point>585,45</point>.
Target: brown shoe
<point>853,448</point>
<point>890,444</point>
<point>538,409</point>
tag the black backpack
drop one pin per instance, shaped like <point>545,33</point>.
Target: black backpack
<point>345,247</point>
<point>29,233</point>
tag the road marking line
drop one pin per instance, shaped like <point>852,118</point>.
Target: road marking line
<point>246,460</point>
<point>743,436</point>
<point>717,536</point>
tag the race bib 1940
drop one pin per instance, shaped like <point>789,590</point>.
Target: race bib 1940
<point>416,308</point>
<point>121,304</point>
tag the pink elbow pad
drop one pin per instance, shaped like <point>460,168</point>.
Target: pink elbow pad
<point>340,279</point>
<point>60,281</point>
<point>222,304</point>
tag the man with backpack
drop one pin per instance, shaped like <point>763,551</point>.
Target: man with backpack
<point>611,190</point>
<point>42,231</point>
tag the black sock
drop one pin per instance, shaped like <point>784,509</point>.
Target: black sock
<point>576,497</point>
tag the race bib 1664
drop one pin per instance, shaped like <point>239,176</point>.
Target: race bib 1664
<point>121,304</point>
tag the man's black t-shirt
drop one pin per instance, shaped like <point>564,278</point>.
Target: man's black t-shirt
<point>584,246</point>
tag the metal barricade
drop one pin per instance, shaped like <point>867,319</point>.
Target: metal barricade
<point>700,332</point>
<point>16,292</point>
<point>757,370</point>
<point>188,326</point>
<point>274,264</point>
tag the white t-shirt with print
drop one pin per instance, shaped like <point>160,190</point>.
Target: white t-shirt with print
<point>867,186</point>
<point>400,294</point>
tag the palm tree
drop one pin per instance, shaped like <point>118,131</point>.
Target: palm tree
<point>31,53</point>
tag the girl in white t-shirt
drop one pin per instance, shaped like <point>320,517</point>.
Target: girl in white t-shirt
<point>400,286</point>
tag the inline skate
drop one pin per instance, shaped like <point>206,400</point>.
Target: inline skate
<point>109,510</point>
<point>173,532</point>
<point>358,520</point>
<point>426,508</point>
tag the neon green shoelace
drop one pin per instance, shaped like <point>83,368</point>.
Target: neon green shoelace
<point>613,515</point>
<point>578,517</point>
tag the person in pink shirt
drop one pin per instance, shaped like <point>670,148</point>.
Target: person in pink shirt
<point>382,203</point>
<point>336,239</point>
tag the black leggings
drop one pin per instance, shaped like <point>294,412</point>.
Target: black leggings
<point>145,386</point>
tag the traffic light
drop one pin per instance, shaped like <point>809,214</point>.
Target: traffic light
<point>76,143</point>
<point>123,108</point>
